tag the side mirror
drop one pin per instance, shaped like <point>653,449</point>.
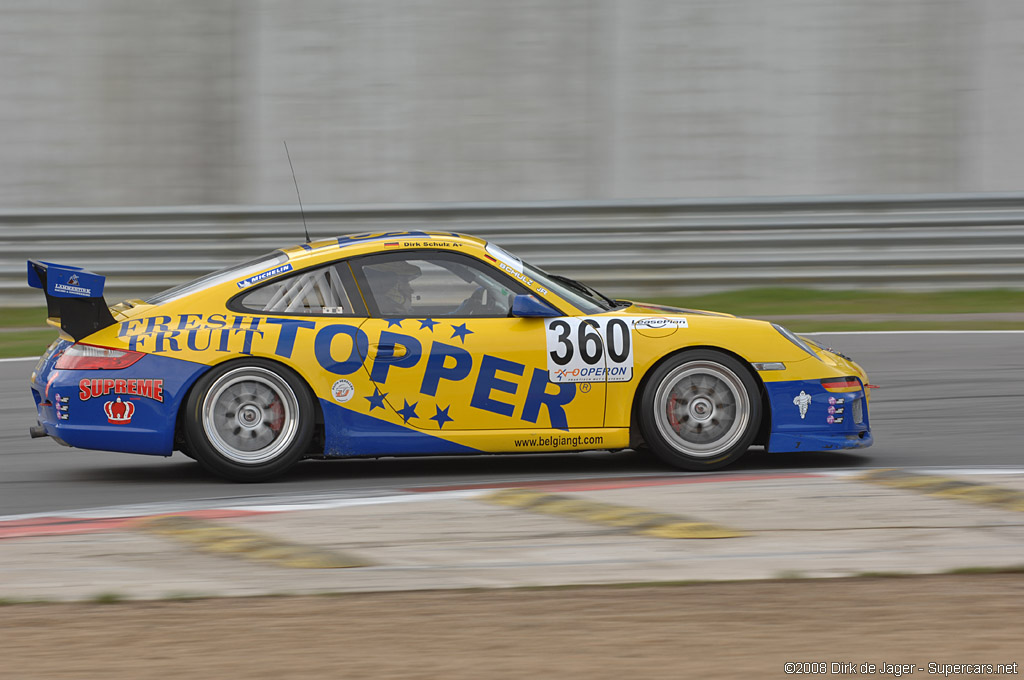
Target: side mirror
<point>527,306</point>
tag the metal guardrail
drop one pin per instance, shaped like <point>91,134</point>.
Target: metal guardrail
<point>643,247</point>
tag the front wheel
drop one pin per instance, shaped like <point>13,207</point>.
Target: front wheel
<point>249,421</point>
<point>700,410</point>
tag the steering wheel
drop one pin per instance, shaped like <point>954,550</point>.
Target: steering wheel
<point>481,301</point>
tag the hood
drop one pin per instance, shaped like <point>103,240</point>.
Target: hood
<point>647,308</point>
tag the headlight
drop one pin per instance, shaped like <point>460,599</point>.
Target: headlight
<point>793,338</point>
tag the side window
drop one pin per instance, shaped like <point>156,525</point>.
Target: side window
<point>318,291</point>
<point>433,284</point>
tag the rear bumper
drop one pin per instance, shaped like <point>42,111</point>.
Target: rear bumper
<point>806,417</point>
<point>133,410</point>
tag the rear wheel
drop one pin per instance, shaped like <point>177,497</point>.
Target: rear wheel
<point>700,410</point>
<point>249,421</point>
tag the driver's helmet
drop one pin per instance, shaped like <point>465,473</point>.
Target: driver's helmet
<point>391,283</point>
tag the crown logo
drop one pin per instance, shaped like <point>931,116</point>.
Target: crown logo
<point>119,412</point>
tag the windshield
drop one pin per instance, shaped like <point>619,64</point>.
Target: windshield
<point>583,297</point>
<point>236,271</point>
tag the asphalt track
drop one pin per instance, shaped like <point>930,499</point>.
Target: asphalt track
<point>947,399</point>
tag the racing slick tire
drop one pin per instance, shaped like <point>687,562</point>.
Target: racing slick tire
<point>700,410</point>
<point>249,421</point>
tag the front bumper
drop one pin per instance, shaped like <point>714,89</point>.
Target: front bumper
<point>807,417</point>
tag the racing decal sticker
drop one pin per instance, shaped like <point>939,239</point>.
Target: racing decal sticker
<point>256,278</point>
<point>72,287</point>
<point>60,403</point>
<point>151,388</point>
<point>441,416</point>
<point>460,332</point>
<point>343,390</point>
<point>377,400</point>
<point>836,409</point>
<point>802,401</point>
<point>119,412</point>
<point>585,349</point>
<point>199,333</point>
<point>660,322</point>
<point>380,236</point>
<point>64,281</point>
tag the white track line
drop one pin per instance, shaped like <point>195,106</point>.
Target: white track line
<point>321,501</point>
<point>250,505</point>
<point>20,359</point>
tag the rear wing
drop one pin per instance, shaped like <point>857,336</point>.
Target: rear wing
<point>74,297</point>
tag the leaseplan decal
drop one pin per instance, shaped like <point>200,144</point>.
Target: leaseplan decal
<point>660,322</point>
<point>245,283</point>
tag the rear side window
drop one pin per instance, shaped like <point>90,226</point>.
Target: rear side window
<point>238,271</point>
<point>323,290</point>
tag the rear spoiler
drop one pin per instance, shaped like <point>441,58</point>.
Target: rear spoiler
<point>74,297</point>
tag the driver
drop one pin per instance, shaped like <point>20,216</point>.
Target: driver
<point>391,284</point>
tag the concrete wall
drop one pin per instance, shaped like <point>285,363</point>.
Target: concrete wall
<point>145,102</point>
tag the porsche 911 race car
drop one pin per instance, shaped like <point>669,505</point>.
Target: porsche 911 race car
<point>416,343</point>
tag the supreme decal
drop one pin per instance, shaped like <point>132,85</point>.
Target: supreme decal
<point>151,388</point>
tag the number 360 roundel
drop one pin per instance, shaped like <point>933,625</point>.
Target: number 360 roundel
<point>585,349</point>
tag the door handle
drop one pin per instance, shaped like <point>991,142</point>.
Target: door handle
<point>387,352</point>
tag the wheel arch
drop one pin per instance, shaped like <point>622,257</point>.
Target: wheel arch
<point>764,429</point>
<point>318,415</point>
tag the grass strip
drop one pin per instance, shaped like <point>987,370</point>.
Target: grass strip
<point>24,330</point>
<point>758,302</point>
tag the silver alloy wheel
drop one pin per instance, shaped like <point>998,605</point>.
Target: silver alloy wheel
<point>701,409</point>
<point>250,415</point>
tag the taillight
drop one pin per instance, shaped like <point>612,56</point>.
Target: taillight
<point>848,384</point>
<point>92,357</point>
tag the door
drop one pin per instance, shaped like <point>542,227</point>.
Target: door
<point>444,354</point>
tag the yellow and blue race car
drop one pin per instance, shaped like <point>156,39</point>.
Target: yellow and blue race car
<point>419,343</point>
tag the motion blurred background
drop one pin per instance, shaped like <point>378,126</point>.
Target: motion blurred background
<point>639,145</point>
<point>148,103</point>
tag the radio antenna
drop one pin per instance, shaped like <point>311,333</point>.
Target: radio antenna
<point>297,194</point>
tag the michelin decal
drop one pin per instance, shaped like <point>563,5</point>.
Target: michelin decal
<point>245,283</point>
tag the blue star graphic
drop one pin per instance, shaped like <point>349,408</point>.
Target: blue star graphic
<point>441,416</point>
<point>428,323</point>
<point>394,322</point>
<point>377,400</point>
<point>460,332</point>
<point>408,411</point>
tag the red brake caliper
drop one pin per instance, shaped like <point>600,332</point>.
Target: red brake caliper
<point>276,420</point>
<point>672,413</point>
